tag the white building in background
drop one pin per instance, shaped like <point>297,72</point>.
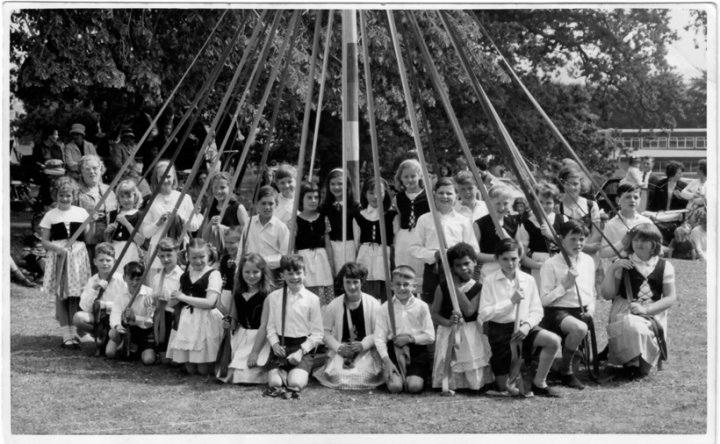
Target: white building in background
<point>685,145</point>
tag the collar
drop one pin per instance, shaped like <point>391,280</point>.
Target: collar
<point>409,303</point>
<point>648,263</point>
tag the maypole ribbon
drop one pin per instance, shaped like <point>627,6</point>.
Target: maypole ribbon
<point>426,176</point>
<point>326,57</point>
<point>378,189</point>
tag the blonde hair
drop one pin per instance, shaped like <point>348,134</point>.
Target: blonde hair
<point>404,165</point>
<point>500,191</point>
<point>160,169</point>
<point>128,186</point>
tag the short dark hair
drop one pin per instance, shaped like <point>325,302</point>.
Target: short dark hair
<point>646,232</point>
<point>626,188</point>
<point>293,262</point>
<point>673,167</point>
<point>105,248</point>
<point>443,182</point>
<point>133,269</point>
<point>506,245</point>
<point>572,227</point>
<point>353,270</point>
<point>459,251</point>
<point>307,188</point>
<point>702,166</point>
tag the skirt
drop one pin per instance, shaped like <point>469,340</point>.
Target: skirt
<point>471,366</point>
<point>371,255</point>
<point>317,267</point>
<point>198,336</point>
<point>342,255</point>
<point>403,240</point>
<point>77,265</point>
<point>132,254</point>
<point>238,371</point>
<point>630,336</point>
<point>365,373</point>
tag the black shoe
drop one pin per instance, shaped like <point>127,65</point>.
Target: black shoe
<point>572,381</point>
<point>603,355</point>
<point>546,391</point>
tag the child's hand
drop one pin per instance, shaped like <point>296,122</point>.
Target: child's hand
<point>545,230</point>
<point>402,340</point>
<point>521,333</point>
<point>517,296</point>
<point>164,218</point>
<point>120,329</point>
<point>175,296</point>
<point>569,280</point>
<point>102,283</point>
<point>296,357</point>
<point>356,346</point>
<point>252,359</point>
<point>389,369</point>
<point>622,263</point>
<point>110,229</point>
<point>279,350</point>
<point>129,315</point>
<point>456,318</point>
<point>226,322</point>
<point>638,309</point>
<point>345,351</point>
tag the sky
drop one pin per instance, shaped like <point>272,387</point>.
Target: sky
<point>682,54</point>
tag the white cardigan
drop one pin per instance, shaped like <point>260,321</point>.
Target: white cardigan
<point>333,321</point>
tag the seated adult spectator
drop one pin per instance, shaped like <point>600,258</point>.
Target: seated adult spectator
<point>668,193</point>
<point>77,148</point>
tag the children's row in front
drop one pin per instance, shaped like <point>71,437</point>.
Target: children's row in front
<point>271,339</point>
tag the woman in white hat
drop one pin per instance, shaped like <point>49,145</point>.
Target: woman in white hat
<point>77,148</point>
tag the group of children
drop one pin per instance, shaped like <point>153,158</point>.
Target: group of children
<point>518,297</point>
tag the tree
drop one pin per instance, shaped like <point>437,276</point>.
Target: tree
<point>135,57</point>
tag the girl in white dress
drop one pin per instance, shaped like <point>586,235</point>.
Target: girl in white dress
<point>248,319</point>
<point>197,327</point>
<point>633,339</point>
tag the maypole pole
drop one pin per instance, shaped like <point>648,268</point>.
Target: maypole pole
<point>350,124</point>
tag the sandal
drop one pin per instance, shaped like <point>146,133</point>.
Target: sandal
<point>273,392</point>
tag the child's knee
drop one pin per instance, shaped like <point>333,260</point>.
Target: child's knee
<point>148,357</point>
<point>415,384</point>
<point>111,349</point>
<point>274,379</point>
<point>394,385</point>
<point>297,379</point>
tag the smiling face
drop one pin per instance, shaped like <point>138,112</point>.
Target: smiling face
<point>264,208</point>
<point>294,279</point>
<point>467,192</point>
<point>221,190</point>
<point>509,262</point>
<point>445,198</point>
<point>572,186</point>
<point>410,179</point>
<point>629,201</point>
<point>64,199</point>
<point>167,184</point>
<point>91,172</point>
<point>126,200</point>
<point>198,258</point>
<point>168,259</point>
<point>403,287</point>
<point>352,288</point>
<point>251,274</point>
<point>336,186</point>
<point>502,205</point>
<point>547,204</point>
<point>573,243</point>
<point>286,185</point>
<point>463,267</point>
<point>311,200</point>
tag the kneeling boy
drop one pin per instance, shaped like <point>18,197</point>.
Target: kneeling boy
<point>136,318</point>
<point>413,333</point>
<point>293,339</point>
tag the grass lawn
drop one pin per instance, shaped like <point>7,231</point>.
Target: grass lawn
<point>54,391</point>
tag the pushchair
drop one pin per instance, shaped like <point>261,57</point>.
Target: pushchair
<point>667,222</point>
